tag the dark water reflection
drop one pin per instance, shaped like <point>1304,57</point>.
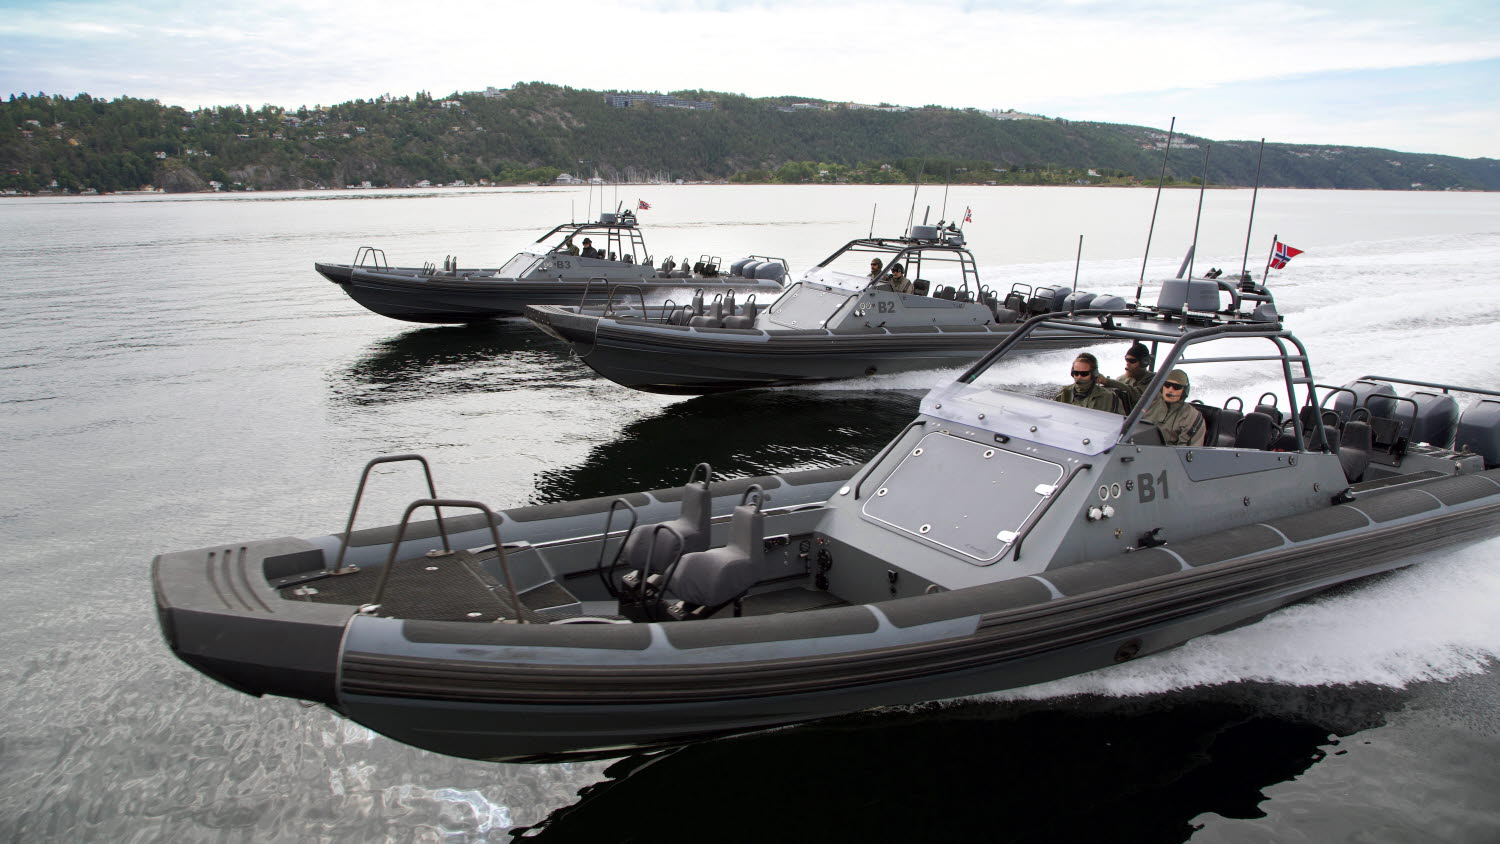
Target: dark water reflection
<point>1082,769</point>
<point>433,361</point>
<point>757,432</point>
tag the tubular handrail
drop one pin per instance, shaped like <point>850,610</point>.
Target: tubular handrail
<point>338,566</point>
<point>435,503</point>
<point>605,577</point>
<point>614,288</point>
<point>661,589</point>
<point>1036,517</point>
<point>588,286</point>
<point>376,256</point>
<point>836,311</point>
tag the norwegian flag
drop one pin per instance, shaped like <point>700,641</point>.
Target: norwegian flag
<point>642,205</point>
<point>1281,253</point>
<point>968,215</point>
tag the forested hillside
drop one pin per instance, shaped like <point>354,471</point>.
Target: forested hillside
<point>533,132</point>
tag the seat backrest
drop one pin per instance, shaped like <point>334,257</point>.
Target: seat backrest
<point>920,287</point>
<point>1355,444</point>
<point>1387,433</point>
<point>1229,423</point>
<point>713,578</point>
<point>1256,431</point>
<point>945,292</point>
<point>1272,411</point>
<point>648,549</point>
<point>1210,416</point>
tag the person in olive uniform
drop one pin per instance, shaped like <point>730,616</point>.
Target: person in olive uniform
<point>1179,422</point>
<point>875,268</point>
<point>568,246</point>
<point>1138,371</point>
<point>1086,389</point>
<point>899,282</point>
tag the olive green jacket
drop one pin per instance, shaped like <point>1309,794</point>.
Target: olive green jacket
<point>1180,423</point>
<point>1098,397</point>
<point>1135,385</point>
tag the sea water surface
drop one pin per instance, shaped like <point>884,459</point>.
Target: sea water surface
<point>175,375</point>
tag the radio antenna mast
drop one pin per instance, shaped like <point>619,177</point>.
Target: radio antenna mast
<point>1202,186</point>
<point>1244,261</point>
<point>1159,180</point>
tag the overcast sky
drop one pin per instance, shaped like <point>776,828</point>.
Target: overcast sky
<point>1411,76</point>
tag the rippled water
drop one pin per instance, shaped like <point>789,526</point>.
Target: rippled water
<point>175,374</point>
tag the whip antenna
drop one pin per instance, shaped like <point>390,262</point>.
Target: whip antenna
<point>1162,178</point>
<point>1253,196</point>
<point>1077,262</point>
<point>1202,186</point>
<point>948,179</point>
<point>911,215</point>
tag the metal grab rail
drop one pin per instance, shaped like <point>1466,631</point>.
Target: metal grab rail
<point>609,303</point>
<point>338,565</point>
<point>607,577</point>
<point>436,503</point>
<point>376,256</point>
<point>588,286</point>
<point>653,607</point>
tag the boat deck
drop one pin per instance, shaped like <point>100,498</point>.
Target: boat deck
<point>456,587</point>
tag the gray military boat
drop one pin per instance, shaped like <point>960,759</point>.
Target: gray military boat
<point>546,273</point>
<point>834,324</point>
<point>1001,539</point>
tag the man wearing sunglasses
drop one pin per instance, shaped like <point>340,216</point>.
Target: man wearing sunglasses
<point>1087,389</point>
<point>1137,368</point>
<point>1179,422</point>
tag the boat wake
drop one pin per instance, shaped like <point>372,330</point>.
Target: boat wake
<point>1432,622</point>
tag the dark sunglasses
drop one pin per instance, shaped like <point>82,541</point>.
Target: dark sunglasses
<point>1129,359</point>
<point>1173,385</point>
<point>1082,373</point>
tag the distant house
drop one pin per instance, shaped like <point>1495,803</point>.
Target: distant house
<point>1012,114</point>
<point>567,179</point>
<point>494,93</point>
<point>632,100</point>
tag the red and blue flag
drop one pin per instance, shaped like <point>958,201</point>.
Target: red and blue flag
<point>643,205</point>
<point>968,215</point>
<point>1281,253</point>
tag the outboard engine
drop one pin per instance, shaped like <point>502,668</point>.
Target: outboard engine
<point>1108,302</point>
<point>1479,431</point>
<point>1179,295</point>
<point>738,267</point>
<point>770,271</point>
<point>1079,300</point>
<point>1060,298</point>
<point>747,268</point>
<point>1436,418</point>
<point>1368,394</point>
